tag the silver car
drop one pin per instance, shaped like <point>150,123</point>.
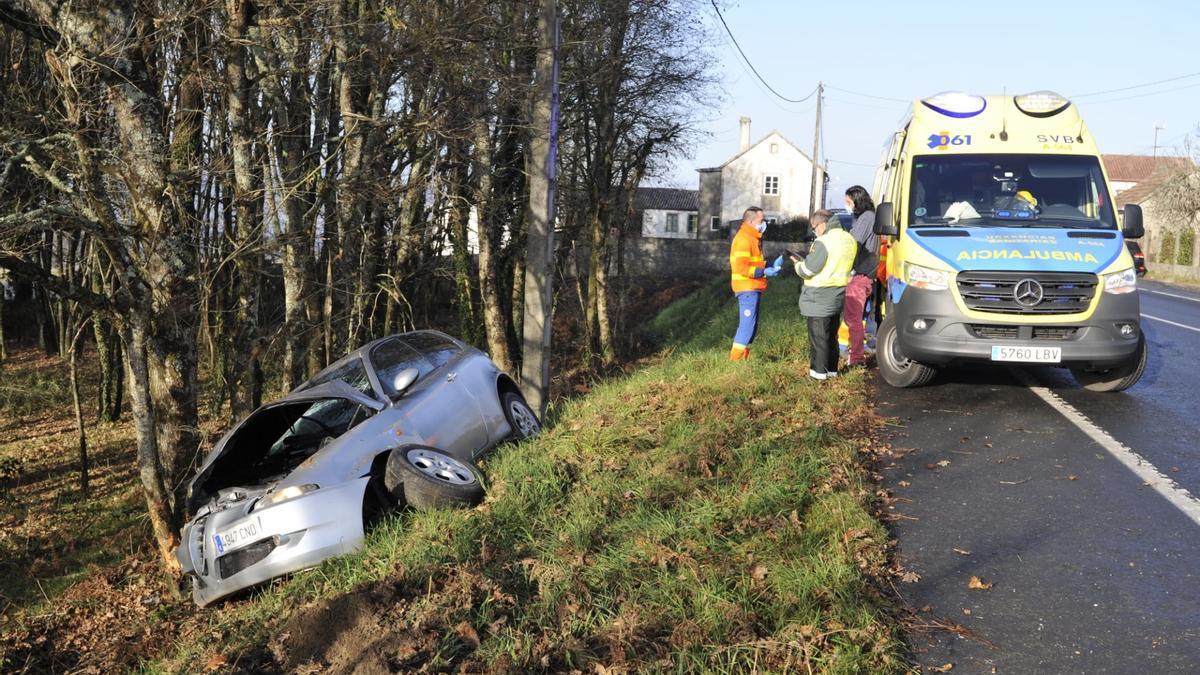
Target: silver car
<point>298,480</point>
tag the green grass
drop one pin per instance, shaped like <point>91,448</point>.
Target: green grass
<point>697,515</point>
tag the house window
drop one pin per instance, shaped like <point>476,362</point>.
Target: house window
<point>774,148</point>
<point>672,222</point>
<point>691,223</point>
<point>771,185</point>
<point>714,223</point>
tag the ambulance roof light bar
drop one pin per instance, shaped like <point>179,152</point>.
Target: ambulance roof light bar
<point>955,104</point>
<point>1041,103</point>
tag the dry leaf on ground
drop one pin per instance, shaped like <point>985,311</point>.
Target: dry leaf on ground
<point>979,584</point>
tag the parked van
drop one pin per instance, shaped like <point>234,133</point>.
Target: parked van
<point>1003,244</point>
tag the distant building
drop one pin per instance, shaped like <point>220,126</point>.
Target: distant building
<point>1150,174</point>
<point>771,173</point>
<point>1127,171</point>
<point>667,213</point>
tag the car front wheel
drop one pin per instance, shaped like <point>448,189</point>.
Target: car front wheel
<point>432,479</point>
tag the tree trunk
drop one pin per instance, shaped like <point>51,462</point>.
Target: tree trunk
<point>538,306</point>
<point>495,320</point>
<point>247,212</point>
<point>80,433</point>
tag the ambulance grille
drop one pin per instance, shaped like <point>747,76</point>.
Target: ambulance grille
<point>1062,292</point>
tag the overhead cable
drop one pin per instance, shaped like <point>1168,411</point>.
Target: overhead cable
<point>749,63</point>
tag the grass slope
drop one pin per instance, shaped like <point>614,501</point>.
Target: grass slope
<point>697,515</point>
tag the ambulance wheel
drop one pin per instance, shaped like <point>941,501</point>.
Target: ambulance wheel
<point>1119,378</point>
<point>897,369</point>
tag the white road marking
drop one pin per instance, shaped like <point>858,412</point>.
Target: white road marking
<point>1181,325</point>
<point>1151,476</point>
<point>1171,295</point>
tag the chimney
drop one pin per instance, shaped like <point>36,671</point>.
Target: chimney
<point>745,139</point>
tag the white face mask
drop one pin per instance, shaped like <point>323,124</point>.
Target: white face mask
<point>761,227</point>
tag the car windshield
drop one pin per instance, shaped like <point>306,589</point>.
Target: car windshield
<point>352,372</point>
<point>1009,191</point>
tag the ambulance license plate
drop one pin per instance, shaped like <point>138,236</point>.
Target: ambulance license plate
<point>1027,354</point>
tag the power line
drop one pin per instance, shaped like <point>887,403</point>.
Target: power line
<point>749,63</point>
<point>859,93</point>
<point>860,104</point>
<point>842,161</point>
<point>1135,86</point>
<point>1142,95</point>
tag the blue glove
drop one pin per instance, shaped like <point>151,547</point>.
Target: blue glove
<point>771,272</point>
<point>778,262</point>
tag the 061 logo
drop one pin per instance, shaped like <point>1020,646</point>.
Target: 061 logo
<point>943,140</point>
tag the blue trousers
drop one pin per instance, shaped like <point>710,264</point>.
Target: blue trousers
<point>747,317</point>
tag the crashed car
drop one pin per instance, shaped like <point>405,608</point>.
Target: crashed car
<point>296,482</point>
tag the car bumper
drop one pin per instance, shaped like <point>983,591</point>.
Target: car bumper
<point>288,537</point>
<point>950,337</point>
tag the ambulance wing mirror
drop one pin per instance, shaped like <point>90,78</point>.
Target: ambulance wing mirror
<point>1132,227</point>
<point>885,222</point>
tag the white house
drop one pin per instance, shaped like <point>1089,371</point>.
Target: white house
<point>668,213</point>
<point>772,173</point>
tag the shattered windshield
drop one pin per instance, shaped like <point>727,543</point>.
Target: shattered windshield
<point>1009,191</point>
<point>352,372</point>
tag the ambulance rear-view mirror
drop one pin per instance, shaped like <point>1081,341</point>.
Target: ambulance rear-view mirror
<point>885,221</point>
<point>1132,227</point>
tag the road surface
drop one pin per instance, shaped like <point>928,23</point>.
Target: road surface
<point>1078,508</point>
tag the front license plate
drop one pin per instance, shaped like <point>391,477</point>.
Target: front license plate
<point>1027,354</point>
<point>237,536</point>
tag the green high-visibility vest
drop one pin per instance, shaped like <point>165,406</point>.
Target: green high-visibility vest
<point>840,247</point>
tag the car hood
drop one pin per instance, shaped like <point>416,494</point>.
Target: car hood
<point>299,400</point>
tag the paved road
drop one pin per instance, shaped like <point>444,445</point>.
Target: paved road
<point>1076,506</point>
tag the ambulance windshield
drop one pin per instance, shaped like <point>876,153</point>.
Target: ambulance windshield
<point>1009,191</point>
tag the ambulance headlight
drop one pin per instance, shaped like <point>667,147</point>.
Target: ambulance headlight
<point>1124,281</point>
<point>1041,103</point>
<point>923,277</point>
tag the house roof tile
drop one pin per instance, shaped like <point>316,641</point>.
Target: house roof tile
<point>666,199</point>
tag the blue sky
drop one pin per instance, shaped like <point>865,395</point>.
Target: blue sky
<point>907,50</point>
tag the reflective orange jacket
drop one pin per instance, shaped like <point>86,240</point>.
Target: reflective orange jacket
<point>746,257</point>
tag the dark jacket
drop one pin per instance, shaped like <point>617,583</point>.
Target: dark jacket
<point>868,243</point>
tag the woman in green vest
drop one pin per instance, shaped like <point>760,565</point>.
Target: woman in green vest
<point>826,271</point>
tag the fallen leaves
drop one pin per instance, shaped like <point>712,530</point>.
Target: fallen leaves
<point>910,577</point>
<point>979,584</point>
<point>215,662</point>
<point>940,669</point>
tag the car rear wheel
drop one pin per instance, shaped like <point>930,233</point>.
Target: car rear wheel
<point>520,417</point>
<point>897,369</point>
<point>1120,378</point>
<point>431,479</point>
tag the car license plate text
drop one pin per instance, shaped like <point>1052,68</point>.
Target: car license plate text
<point>239,535</point>
<point>1027,354</point>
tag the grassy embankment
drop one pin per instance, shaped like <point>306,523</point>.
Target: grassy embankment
<point>695,515</point>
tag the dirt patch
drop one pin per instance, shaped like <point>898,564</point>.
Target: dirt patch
<point>391,626</point>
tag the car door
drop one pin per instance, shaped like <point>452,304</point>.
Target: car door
<point>439,408</point>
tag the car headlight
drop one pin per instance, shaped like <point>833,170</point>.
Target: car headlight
<point>1124,281</point>
<point>923,277</point>
<point>287,493</point>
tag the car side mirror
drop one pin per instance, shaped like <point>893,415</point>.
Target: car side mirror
<point>1132,228</point>
<point>404,380</point>
<point>885,220</point>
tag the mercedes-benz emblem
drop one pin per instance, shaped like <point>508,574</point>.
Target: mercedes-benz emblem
<point>1028,293</point>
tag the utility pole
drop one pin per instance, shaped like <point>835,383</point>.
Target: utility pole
<point>543,184</point>
<point>812,195</point>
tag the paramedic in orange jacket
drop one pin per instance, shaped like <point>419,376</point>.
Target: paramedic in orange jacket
<point>749,274</point>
